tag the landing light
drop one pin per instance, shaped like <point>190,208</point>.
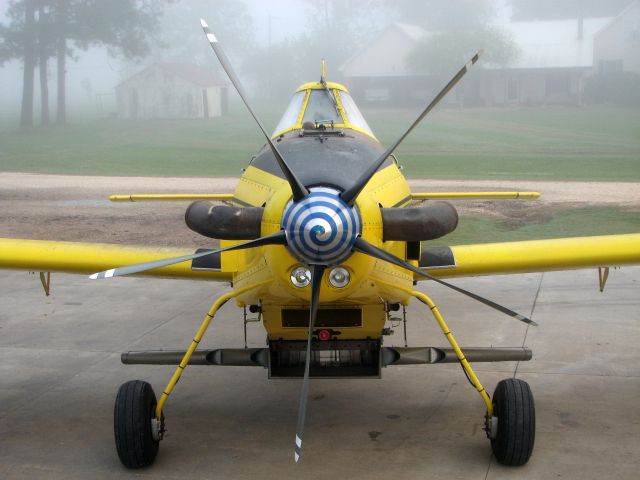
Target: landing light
<point>301,277</point>
<point>339,277</point>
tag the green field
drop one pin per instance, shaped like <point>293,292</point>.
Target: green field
<point>526,143</point>
<point>520,144</point>
<point>571,222</point>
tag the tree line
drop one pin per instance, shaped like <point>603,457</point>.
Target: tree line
<point>38,31</point>
<point>44,32</point>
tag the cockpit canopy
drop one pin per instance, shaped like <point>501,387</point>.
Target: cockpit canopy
<point>316,104</point>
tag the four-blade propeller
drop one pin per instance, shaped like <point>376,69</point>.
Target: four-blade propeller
<point>340,219</point>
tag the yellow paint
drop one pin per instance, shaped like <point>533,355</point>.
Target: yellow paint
<point>336,88</point>
<point>147,197</point>
<point>271,266</point>
<point>88,258</point>
<point>456,348</point>
<point>319,86</point>
<point>542,255</point>
<point>206,321</point>
<point>474,195</point>
<point>262,275</point>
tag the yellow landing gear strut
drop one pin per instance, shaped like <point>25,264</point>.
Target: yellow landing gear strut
<point>138,419</point>
<point>510,418</point>
<point>456,348</point>
<point>206,321</point>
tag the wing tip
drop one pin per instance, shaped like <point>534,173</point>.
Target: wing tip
<point>203,23</point>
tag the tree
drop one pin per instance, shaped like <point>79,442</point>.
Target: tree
<point>554,10</point>
<point>26,115</point>
<point>456,29</point>
<point>444,52</point>
<point>438,15</point>
<point>45,51</point>
<point>334,30</point>
<point>180,37</point>
<point>123,26</point>
<point>17,41</point>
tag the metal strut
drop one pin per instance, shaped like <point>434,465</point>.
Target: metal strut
<point>461,358</point>
<point>206,321</point>
<point>194,344</point>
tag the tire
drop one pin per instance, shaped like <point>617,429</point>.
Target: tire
<point>134,409</point>
<point>514,407</point>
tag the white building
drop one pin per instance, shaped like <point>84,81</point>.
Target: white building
<point>172,90</point>
<point>555,59</point>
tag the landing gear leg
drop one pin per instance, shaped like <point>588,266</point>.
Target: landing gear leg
<point>138,418</point>
<point>510,419</point>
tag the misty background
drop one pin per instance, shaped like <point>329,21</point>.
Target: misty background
<point>131,88</point>
<point>277,45</point>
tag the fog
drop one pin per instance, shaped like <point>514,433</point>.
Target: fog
<point>388,52</point>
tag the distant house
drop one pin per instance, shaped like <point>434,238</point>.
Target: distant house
<point>555,58</point>
<point>172,90</point>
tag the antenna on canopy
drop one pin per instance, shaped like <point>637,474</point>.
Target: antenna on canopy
<point>323,73</point>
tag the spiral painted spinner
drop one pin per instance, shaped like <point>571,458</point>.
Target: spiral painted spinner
<point>321,228</point>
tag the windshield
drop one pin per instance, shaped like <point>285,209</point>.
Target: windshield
<point>291,114</point>
<point>354,117</point>
<point>321,109</point>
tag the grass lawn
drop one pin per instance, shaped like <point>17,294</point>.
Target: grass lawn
<point>571,222</point>
<point>524,143</point>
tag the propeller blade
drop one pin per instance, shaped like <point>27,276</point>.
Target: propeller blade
<point>278,238</point>
<point>352,192</point>
<point>365,247</point>
<point>298,189</point>
<point>316,282</point>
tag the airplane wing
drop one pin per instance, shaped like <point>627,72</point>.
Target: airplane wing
<point>443,262</point>
<point>171,197</point>
<point>530,256</point>
<point>87,258</point>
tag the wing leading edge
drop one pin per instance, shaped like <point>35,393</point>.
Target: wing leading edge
<point>531,256</point>
<point>87,258</point>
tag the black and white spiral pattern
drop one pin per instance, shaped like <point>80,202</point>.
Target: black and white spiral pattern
<point>321,229</point>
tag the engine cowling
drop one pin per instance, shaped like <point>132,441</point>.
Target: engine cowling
<point>434,220</point>
<point>224,222</point>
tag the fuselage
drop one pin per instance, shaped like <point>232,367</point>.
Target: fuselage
<point>329,153</point>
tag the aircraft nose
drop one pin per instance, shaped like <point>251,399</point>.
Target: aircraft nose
<point>321,229</point>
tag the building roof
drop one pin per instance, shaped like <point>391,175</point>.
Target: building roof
<point>414,32</point>
<point>203,77</point>
<point>193,73</point>
<point>355,63</point>
<point>555,43</point>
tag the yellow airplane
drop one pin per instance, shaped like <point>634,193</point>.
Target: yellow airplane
<point>318,239</point>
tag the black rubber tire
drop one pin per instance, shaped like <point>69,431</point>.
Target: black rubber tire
<point>134,409</point>
<point>514,407</point>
